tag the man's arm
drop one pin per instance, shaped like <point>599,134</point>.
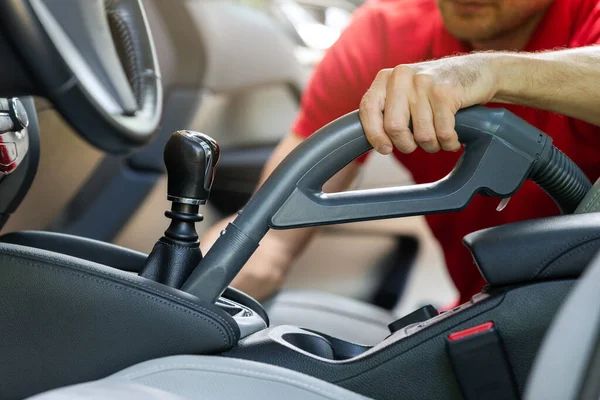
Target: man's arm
<point>566,81</point>
<point>430,93</point>
<point>267,268</point>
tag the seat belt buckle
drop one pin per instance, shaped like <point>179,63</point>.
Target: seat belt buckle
<point>481,365</point>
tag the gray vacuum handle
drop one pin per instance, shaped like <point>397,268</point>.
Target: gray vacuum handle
<point>500,152</point>
<point>500,149</point>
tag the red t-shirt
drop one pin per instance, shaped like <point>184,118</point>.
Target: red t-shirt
<point>386,33</point>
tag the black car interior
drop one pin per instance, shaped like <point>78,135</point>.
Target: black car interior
<point>75,309</point>
<point>565,368</point>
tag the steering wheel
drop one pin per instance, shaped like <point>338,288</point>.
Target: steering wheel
<point>95,60</point>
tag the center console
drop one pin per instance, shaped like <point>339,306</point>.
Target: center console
<point>526,285</point>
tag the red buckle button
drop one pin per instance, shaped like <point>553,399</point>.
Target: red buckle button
<point>471,331</point>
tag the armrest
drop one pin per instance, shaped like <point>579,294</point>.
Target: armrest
<point>107,254</point>
<point>529,251</point>
<point>87,249</point>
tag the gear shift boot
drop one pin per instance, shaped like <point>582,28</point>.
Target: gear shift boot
<point>171,263</point>
<point>190,159</point>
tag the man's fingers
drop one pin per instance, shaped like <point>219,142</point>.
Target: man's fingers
<point>422,115</point>
<point>371,114</point>
<point>444,128</point>
<point>408,95</point>
<point>443,119</point>
<point>396,116</point>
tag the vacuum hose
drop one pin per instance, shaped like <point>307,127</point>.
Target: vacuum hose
<point>561,179</point>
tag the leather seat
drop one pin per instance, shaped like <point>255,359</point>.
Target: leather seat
<point>341,317</point>
<point>567,364</point>
<point>333,315</point>
<point>202,378</point>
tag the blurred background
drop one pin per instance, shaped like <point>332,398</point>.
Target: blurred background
<point>234,70</point>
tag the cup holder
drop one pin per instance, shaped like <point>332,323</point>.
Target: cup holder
<point>324,346</point>
<point>316,345</point>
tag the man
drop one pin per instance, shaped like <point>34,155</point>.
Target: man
<point>378,66</point>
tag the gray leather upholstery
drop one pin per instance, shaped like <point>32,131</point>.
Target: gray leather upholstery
<point>564,357</point>
<point>64,320</point>
<point>105,390</point>
<point>344,318</point>
<point>204,378</point>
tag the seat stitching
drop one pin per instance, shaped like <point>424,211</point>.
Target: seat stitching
<point>565,257</point>
<point>592,199</point>
<point>140,284</point>
<point>558,252</point>
<point>194,313</point>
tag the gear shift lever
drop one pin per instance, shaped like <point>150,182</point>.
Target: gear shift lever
<point>190,159</point>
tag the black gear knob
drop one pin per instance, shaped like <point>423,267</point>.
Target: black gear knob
<point>191,159</point>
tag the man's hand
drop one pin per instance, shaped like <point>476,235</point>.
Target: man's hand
<point>429,94</point>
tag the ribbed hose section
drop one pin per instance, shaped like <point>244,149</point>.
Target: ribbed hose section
<point>562,180</point>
